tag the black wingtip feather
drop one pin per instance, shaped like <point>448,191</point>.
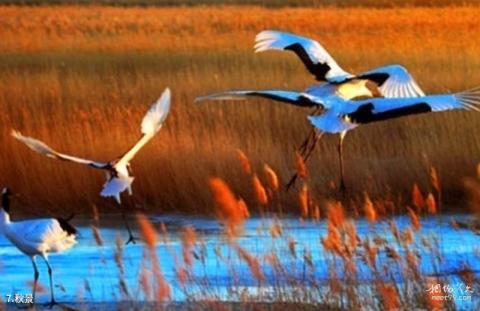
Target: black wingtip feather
<point>319,70</point>
<point>67,227</point>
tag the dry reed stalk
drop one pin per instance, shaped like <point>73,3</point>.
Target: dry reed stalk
<point>389,296</point>
<point>394,230</point>
<point>408,236</point>
<point>292,247</point>
<point>411,260</point>
<point>414,219</point>
<point>392,253</point>
<point>303,201</point>
<point>147,231</point>
<point>95,214</point>
<point>434,180</point>
<point>350,267</point>
<point>352,235</point>
<point>417,199</point>
<point>244,296</point>
<point>274,261</point>
<point>163,291</point>
<point>260,192</point>
<point>242,206</point>
<point>271,177</point>
<point>189,238</point>
<point>244,162</point>
<point>370,254</point>
<point>334,283</point>
<point>454,224</point>
<point>369,209</point>
<point>300,166</point>
<point>431,204</point>
<point>229,211</point>
<point>118,255</point>
<point>252,263</point>
<point>307,258</point>
<point>335,213</point>
<point>145,284</point>
<point>275,230</point>
<point>316,213</point>
<point>96,235</point>
<point>182,275</point>
<point>333,242</point>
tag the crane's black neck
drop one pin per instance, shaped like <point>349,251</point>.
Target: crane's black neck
<point>6,202</point>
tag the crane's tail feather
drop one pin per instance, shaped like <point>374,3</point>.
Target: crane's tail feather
<point>470,99</point>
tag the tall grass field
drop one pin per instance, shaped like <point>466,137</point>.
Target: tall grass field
<point>80,78</point>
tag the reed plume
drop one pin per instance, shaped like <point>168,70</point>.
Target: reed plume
<point>300,166</point>
<point>271,177</point>
<point>252,263</point>
<point>260,192</point>
<point>413,219</point>
<point>303,200</point>
<point>369,209</point>
<point>389,296</point>
<point>147,231</point>
<point>230,212</point>
<point>431,204</point>
<point>417,198</point>
<point>188,241</point>
<point>244,162</point>
<point>335,213</point>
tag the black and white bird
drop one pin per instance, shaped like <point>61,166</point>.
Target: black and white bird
<point>37,237</point>
<point>385,81</point>
<point>344,101</point>
<point>118,171</point>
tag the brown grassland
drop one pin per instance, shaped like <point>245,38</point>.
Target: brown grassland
<point>80,78</point>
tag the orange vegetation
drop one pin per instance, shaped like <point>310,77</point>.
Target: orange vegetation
<point>81,77</point>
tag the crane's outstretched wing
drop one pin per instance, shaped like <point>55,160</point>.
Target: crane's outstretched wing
<point>365,111</point>
<point>152,122</point>
<point>294,98</point>
<point>116,185</point>
<point>317,60</point>
<point>378,109</point>
<point>42,148</point>
<point>394,81</point>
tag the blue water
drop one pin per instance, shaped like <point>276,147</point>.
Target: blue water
<point>88,272</point>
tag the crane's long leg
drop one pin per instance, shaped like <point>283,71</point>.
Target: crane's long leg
<point>340,155</point>
<point>303,147</point>
<point>131,238</point>
<point>35,277</point>
<point>50,272</point>
<point>313,134</point>
<point>312,142</point>
<point>318,135</point>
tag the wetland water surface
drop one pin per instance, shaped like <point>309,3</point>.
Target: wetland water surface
<point>89,272</point>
